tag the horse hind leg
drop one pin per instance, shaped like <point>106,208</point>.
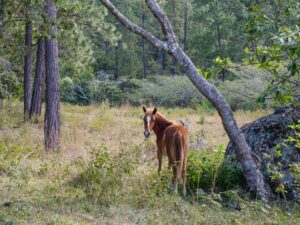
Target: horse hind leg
<point>183,175</point>
<point>170,179</point>
<point>175,179</point>
<point>176,175</point>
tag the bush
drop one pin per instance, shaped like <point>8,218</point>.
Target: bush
<point>242,92</point>
<point>207,170</point>
<point>166,91</point>
<point>104,175</point>
<point>230,175</point>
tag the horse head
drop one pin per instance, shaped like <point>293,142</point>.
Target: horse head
<point>149,120</point>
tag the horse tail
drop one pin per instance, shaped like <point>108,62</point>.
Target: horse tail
<point>180,156</point>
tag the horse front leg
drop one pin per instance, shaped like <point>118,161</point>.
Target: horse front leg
<point>159,156</point>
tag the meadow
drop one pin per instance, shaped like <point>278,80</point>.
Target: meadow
<point>106,172</point>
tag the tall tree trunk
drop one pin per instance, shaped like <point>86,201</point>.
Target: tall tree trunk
<point>185,30</point>
<point>27,64</point>
<point>52,114</point>
<point>162,62</point>
<point>223,72</point>
<point>2,5</point>
<point>173,65</point>
<point>251,171</point>
<point>39,80</point>
<point>105,66</point>
<point>117,63</point>
<point>143,49</point>
<point>185,26</point>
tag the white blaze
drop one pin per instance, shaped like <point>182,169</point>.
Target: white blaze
<point>148,118</point>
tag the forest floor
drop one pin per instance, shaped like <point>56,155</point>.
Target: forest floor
<point>105,172</point>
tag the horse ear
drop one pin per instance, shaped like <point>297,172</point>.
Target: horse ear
<point>144,109</point>
<point>154,111</point>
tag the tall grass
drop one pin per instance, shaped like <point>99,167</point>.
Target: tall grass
<point>106,173</point>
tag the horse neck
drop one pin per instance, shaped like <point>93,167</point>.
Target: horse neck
<point>161,124</point>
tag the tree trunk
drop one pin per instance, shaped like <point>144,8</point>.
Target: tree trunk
<point>174,63</point>
<point>162,62</point>
<point>185,26</point>
<point>2,4</point>
<point>143,50</point>
<point>39,80</point>
<point>52,114</point>
<point>251,172</point>
<point>117,63</point>
<point>27,64</point>
<point>185,30</point>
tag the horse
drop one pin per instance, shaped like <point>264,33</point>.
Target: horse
<point>171,140</point>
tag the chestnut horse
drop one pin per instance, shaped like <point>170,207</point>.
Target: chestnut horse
<point>171,140</point>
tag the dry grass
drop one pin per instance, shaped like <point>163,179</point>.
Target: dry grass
<point>37,187</point>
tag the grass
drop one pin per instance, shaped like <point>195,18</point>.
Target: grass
<point>105,172</point>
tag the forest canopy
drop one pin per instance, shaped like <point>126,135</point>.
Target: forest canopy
<point>95,50</point>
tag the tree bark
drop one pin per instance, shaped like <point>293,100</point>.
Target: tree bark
<point>251,172</point>
<point>143,49</point>
<point>39,80</point>
<point>117,63</point>
<point>52,114</point>
<point>2,5</point>
<point>27,64</point>
<point>185,26</point>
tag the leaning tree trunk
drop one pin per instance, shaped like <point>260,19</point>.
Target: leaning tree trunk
<point>52,114</point>
<point>27,64</point>
<point>39,80</point>
<point>251,172</point>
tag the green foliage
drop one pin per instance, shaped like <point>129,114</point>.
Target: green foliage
<point>274,28</point>
<point>243,91</point>
<point>166,91</point>
<point>230,175</point>
<point>105,174</point>
<point>206,170</point>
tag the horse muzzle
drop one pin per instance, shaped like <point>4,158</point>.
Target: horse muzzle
<point>146,134</point>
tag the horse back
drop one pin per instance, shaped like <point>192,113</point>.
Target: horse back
<point>176,141</point>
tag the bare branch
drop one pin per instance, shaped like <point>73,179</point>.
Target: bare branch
<point>162,19</point>
<point>135,28</point>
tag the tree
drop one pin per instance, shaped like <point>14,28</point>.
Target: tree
<point>219,31</point>
<point>272,30</point>
<point>251,172</point>
<point>52,114</point>
<point>27,63</point>
<point>39,80</point>
<point>143,47</point>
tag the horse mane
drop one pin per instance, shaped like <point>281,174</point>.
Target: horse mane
<point>163,119</point>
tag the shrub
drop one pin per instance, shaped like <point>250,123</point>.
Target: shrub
<point>104,175</point>
<point>242,92</point>
<point>207,170</point>
<point>203,167</point>
<point>230,175</point>
<point>166,91</point>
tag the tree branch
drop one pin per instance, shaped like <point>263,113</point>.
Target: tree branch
<point>162,19</point>
<point>135,28</point>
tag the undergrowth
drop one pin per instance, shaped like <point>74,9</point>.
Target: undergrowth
<point>108,187</point>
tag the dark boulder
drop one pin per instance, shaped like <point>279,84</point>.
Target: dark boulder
<point>267,137</point>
